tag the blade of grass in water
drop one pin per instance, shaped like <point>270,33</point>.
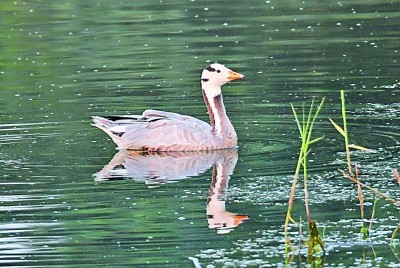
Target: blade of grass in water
<point>305,127</point>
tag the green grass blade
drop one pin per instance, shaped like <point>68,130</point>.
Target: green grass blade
<point>338,128</point>
<point>346,135</point>
<point>314,118</point>
<point>357,147</point>
<point>297,119</point>
<point>315,140</point>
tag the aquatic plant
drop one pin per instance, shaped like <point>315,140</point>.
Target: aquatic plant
<point>315,244</point>
<point>305,126</point>
<point>394,242</point>
<point>392,239</point>
<point>376,192</point>
<point>355,177</point>
<point>343,131</point>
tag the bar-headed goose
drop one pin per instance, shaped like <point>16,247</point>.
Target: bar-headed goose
<point>165,131</point>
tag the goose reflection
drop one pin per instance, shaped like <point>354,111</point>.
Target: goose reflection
<point>164,167</point>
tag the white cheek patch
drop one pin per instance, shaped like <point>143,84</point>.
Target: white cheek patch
<point>211,92</point>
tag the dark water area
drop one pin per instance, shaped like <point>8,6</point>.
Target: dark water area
<point>70,199</point>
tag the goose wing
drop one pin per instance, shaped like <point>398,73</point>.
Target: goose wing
<point>157,131</point>
<point>175,116</point>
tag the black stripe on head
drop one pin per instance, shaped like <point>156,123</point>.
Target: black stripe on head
<point>210,69</point>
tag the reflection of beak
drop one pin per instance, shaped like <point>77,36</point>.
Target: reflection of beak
<point>234,76</point>
<point>238,219</point>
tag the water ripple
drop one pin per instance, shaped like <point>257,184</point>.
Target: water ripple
<point>23,132</point>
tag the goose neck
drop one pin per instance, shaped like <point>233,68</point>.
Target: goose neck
<point>216,109</point>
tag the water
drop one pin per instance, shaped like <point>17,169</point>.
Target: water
<point>63,62</point>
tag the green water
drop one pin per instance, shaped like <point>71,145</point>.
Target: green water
<point>65,61</point>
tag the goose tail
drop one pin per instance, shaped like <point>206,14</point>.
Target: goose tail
<point>106,125</point>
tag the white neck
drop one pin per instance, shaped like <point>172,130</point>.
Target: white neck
<point>211,91</point>
<point>216,109</point>
<point>218,190</point>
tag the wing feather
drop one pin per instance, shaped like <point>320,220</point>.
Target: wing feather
<point>157,130</point>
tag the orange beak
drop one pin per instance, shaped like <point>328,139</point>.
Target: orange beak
<point>234,76</point>
<point>238,219</point>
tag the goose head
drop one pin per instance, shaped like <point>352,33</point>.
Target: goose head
<point>216,75</point>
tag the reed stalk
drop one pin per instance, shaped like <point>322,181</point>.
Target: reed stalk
<point>373,213</point>
<point>376,192</point>
<point>346,135</point>
<point>364,230</point>
<point>343,131</point>
<point>305,127</point>
<point>355,178</point>
<point>392,239</point>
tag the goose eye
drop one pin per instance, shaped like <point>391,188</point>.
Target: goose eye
<point>218,71</point>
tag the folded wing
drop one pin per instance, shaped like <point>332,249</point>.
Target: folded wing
<point>157,131</point>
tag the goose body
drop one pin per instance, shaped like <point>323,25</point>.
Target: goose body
<point>166,131</point>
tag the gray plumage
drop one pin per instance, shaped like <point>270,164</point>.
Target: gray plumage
<point>165,131</point>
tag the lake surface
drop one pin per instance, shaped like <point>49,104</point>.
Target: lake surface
<point>70,199</point>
